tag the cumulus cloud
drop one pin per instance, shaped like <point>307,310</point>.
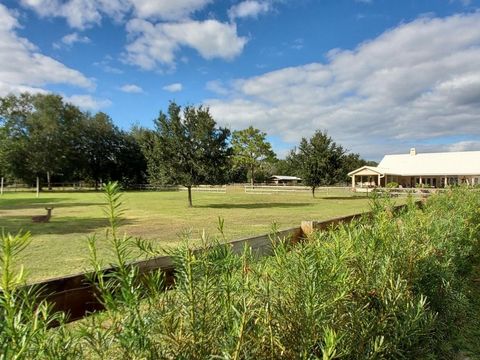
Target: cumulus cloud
<point>416,82</point>
<point>157,30</point>
<point>24,68</point>
<point>217,87</point>
<point>81,14</point>
<point>78,13</point>
<point>88,102</point>
<point>70,39</point>
<point>167,9</point>
<point>248,8</point>
<point>175,87</point>
<point>156,44</point>
<point>131,88</point>
<point>73,38</point>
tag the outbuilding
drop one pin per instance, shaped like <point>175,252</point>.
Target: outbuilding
<point>436,170</point>
<point>285,180</point>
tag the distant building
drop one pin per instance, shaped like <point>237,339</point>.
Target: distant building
<point>285,180</point>
<point>429,169</point>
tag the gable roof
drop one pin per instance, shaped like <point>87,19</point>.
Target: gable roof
<point>366,170</point>
<point>442,163</point>
<point>284,177</point>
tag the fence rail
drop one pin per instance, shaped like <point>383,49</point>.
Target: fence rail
<point>58,187</point>
<point>271,189</point>
<point>76,294</point>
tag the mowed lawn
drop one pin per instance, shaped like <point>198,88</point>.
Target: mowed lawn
<point>60,247</point>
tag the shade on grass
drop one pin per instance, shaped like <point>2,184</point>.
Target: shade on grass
<point>60,247</point>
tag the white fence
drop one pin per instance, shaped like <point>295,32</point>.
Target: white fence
<point>81,186</point>
<point>272,189</point>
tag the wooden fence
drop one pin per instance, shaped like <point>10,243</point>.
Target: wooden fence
<point>75,294</point>
<point>293,189</point>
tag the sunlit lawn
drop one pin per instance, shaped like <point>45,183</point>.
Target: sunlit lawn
<point>60,247</point>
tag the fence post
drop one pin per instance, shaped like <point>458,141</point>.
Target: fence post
<point>308,227</point>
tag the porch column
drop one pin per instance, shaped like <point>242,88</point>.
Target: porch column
<point>421,183</point>
<point>379,185</point>
<point>446,181</point>
<point>353,182</point>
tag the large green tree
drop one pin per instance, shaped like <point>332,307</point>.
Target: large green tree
<point>189,149</point>
<point>319,160</point>
<point>251,149</point>
<point>47,137</point>
<point>50,135</point>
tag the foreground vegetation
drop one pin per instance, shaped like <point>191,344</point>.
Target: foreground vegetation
<point>160,217</point>
<point>393,286</point>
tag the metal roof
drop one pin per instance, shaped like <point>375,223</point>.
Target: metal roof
<point>435,164</point>
<point>284,177</point>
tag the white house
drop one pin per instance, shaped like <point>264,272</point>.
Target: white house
<point>432,169</point>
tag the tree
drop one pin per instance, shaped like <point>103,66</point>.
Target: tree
<point>39,134</point>
<point>50,136</point>
<point>250,149</point>
<point>189,150</point>
<point>319,160</point>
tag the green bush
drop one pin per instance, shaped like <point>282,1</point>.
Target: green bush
<point>387,287</point>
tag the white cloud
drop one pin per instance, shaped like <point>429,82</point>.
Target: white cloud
<point>87,102</point>
<point>78,13</point>
<point>106,65</point>
<point>464,145</point>
<point>248,8</point>
<point>217,87</point>
<point>154,45</point>
<point>151,43</point>
<point>24,68</point>
<point>70,39</point>
<point>417,82</point>
<point>73,38</point>
<point>167,9</point>
<point>175,87</point>
<point>131,88</point>
<point>81,14</point>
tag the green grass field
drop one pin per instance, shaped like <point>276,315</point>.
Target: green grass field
<point>60,247</point>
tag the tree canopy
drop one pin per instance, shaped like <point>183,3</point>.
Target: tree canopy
<point>318,160</point>
<point>42,135</point>
<point>189,149</point>
<point>251,149</point>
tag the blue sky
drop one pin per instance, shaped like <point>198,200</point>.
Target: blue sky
<point>379,76</point>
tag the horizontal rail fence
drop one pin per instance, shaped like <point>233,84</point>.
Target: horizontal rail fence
<point>75,294</point>
<point>272,189</point>
<point>198,188</point>
<point>81,186</point>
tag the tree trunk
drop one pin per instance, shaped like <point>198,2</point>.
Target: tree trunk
<point>313,191</point>
<point>38,186</point>
<point>49,185</point>
<point>189,188</point>
<point>1,186</point>
<point>253,175</point>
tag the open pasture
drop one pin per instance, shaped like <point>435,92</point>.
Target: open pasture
<point>60,246</point>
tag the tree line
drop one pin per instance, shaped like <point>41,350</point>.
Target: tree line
<point>44,137</point>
